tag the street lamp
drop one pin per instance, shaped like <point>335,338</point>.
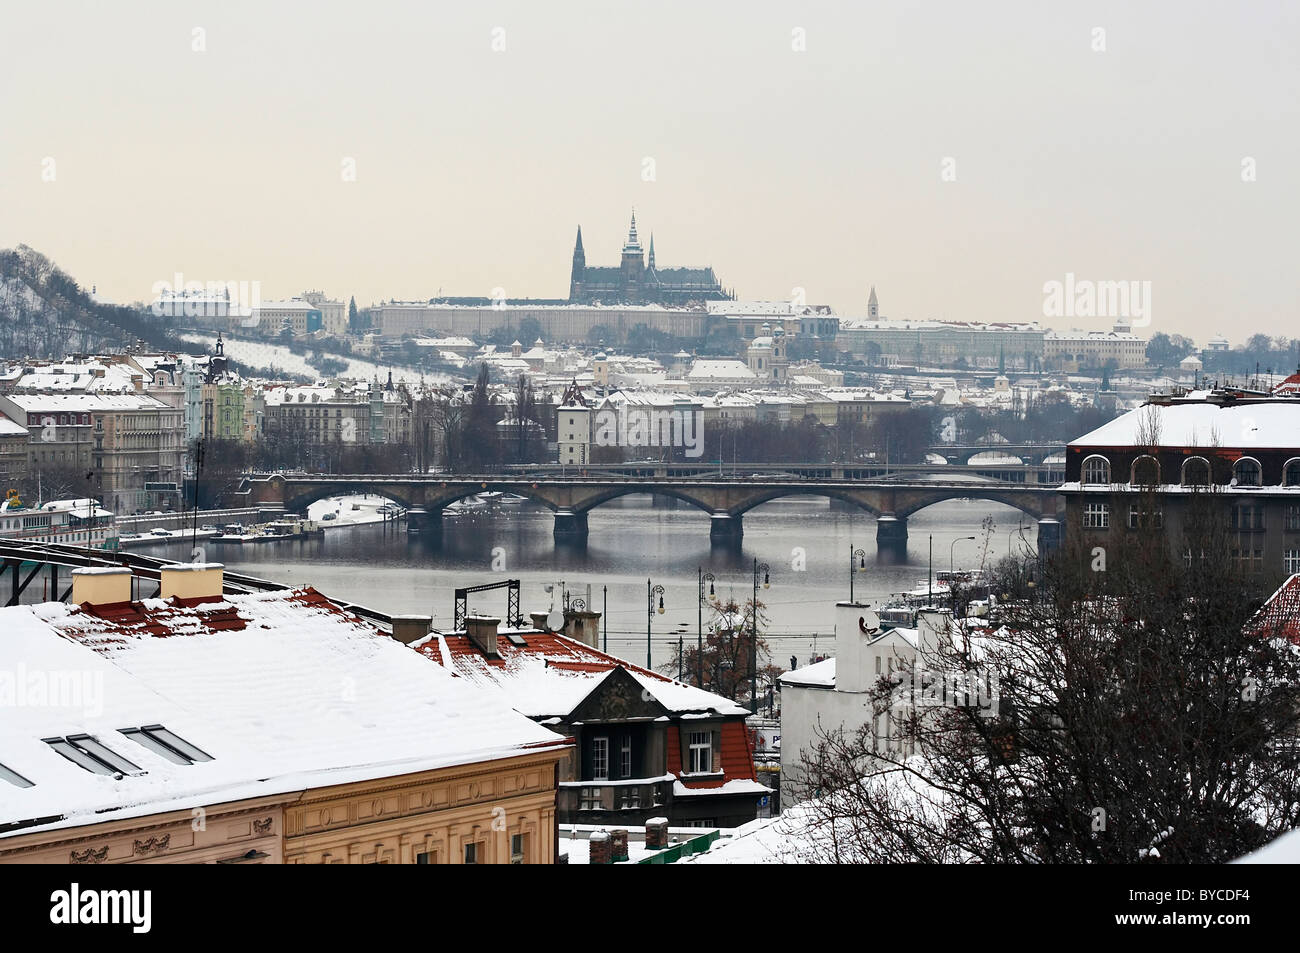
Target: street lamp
<point>651,592</point>
<point>765,569</point>
<point>959,539</point>
<point>860,556</point>
<point>699,623</point>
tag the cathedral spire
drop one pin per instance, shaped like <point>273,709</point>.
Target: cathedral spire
<point>873,307</point>
<point>577,248</point>
<point>652,249</point>
<point>632,243</point>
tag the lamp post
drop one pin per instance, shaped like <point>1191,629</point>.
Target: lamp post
<point>765,569</point>
<point>959,539</point>
<point>860,555</point>
<point>699,624</point>
<point>651,592</point>
<point>929,578</point>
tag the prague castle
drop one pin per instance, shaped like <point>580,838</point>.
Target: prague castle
<point>637,279</point>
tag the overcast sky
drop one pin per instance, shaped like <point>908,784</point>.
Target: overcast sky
<point>827,168</point>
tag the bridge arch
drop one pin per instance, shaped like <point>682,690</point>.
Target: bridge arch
<point>1006,496</point>
<point>638,489</point>
<point>851,495</point>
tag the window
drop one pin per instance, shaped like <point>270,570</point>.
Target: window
<point>630,798</point>
<point>1292,516</point>
<point>1196,472</point>
<point>1146,471</point>
<point>472,853</point>
<point>625,758</point>
<point>590,800</point>
<point>1248,518</point>
<point>1248,560</point>
<point>600,759</point>
<point>518,849</point>
<point>1096,470</point>
<point>86,751</point>
<point>1290,562</point>
<point>163,742</point>
<point>1138,518</point>
<point>1096,515</point>
<point>14,778</point>
<point>1247,472</point>
<point>423,858</point>
<point>701,752</point>
<point>1291,473</point>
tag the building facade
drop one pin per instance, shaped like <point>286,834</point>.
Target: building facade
<point>1179,466</point>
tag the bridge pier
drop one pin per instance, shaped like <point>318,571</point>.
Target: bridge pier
<point>726,528</point>
<point>424,522</point>
<point>891,531</point>
<point>570,525</point>
<point>1049,535</point>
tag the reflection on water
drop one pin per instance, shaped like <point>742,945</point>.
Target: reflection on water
<point>806,542</point>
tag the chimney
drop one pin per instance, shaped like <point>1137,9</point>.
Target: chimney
<point>192,581</point>
<point>539,620</point>
<point>482,631</point>
<point>410,628</point>
<point>618,845</point>
<point>656,833</point>
<point>598,845</point>
<point>852,656</point>
<point>583,627</point>
<point>101,586</point>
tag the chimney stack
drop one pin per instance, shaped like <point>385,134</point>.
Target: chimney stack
<point>599,848</point>
<point>101,586</point>
<point>192,581</point>
<point>482,631</point>
<point>410,628</point>
<point>656,833</point>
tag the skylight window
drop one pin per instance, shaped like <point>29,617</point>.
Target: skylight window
<point>87,752</point>
<point>14,778</point>
<point>516,639</point>
<point>167,744</point>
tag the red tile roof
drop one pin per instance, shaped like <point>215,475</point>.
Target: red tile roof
<point>559,651</point>
<point>108,624</point>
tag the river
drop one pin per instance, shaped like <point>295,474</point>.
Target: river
<point>804,540</point>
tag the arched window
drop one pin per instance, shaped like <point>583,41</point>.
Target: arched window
<point>1096,469</point>
<point>1247,472</point>
<point>1196,471</point>
<point>1291,472</point>
<point>1146,471</point>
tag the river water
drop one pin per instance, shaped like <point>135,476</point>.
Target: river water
<point>804,540</point>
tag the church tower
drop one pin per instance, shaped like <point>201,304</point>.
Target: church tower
<point>633,265</point>
<point>873,306</point>
<point>579,268</point>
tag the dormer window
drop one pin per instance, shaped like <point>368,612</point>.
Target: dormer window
<point>1096,471</point>
<point>1196,472</point>
<point>1247,472</point>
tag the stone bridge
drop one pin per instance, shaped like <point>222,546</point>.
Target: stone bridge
<point>725,500</point>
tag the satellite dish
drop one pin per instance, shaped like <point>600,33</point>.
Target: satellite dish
<point>555,620</point>
<point>869,621</point>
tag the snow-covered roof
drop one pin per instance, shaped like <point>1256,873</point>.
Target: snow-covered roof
<point>818,675</point>
<point>550,674</point>
<point>1246,424</point>
<point>283,690</point>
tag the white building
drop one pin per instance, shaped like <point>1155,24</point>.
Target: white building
<point>837,693</point>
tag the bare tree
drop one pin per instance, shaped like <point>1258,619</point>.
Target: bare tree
<point>1143,713</point>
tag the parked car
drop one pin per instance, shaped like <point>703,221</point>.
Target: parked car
<point>208,528</point>
<point>159,531</point>
<point>330,516</point>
